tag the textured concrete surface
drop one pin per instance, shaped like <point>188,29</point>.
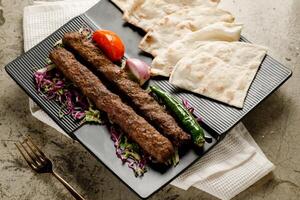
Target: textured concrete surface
<point>275,124</point>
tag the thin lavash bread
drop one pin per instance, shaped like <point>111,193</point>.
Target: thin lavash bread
<point>164,62</point>
<point>145,13</point>
<point>174,26</point>
<point>219,70</point>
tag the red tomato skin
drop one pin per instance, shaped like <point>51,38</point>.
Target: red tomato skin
<point>110,43</point>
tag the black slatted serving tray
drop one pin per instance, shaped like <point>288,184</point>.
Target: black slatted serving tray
<point>218,117</point>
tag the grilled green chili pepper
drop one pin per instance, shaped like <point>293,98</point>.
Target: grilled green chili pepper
<point>187,120</point>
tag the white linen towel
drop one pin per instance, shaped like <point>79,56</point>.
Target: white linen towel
<point>229,168</point>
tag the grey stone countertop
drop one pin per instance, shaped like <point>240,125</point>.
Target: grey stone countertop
<point>275,124</point>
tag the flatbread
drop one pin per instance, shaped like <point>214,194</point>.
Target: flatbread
<point>145,13</point>
<point>164,62</point>
<point>219,70</point>
<point>124,5</point>
<point>174,26</point>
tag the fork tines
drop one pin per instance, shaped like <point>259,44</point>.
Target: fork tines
<point>35,158</point>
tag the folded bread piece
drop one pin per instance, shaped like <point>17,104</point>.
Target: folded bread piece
<point>176,25</point>
<point>164,62</point>
<point>145,13</point>
<point>219,70</point>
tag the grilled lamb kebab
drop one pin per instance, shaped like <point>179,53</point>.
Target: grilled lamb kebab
<point>135,126</point>
<point>141,99</point>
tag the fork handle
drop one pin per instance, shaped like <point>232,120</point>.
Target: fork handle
<point>75,194</point>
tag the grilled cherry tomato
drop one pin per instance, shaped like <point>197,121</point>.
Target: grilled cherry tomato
<point>110,43</point>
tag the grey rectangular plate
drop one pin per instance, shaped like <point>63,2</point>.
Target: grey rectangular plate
<point>218,118</point>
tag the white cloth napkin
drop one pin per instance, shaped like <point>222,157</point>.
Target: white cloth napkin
<point>229,168</point>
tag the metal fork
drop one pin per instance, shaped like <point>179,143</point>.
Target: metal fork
<point>38,161</point>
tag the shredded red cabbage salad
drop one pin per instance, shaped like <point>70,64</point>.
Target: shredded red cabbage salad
<point>128,152</point>
<point>53,85</point>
